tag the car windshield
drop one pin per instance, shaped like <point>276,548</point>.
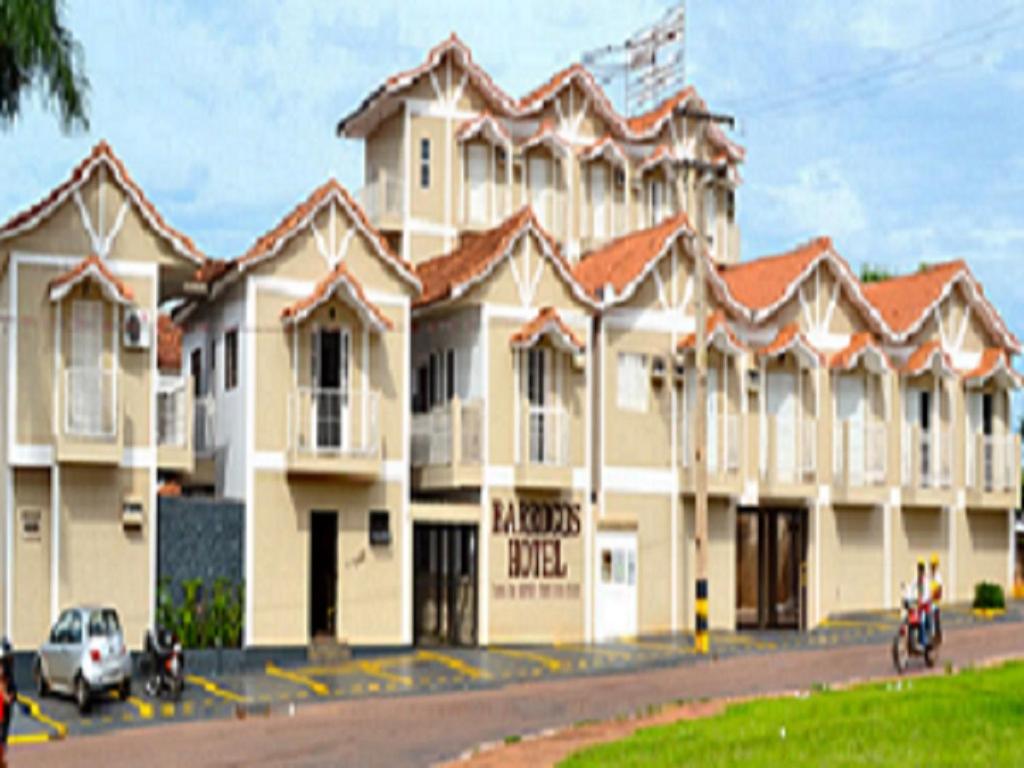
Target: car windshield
<point>104,623</point>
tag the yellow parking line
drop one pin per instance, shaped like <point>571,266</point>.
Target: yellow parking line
<point>294,677</point>
<point>29,738</point>
<point>849,624</point>
<point>167,710</point>
<point>373,669</point>
<point>211,687</point>
<point>59,728</point>
<point>455,664</point>
<point>144,709</point>
<point>551,663</point>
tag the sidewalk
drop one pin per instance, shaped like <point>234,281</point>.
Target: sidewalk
<point>427,729</point>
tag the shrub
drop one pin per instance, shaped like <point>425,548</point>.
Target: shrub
<point>204,618</point>
<point>989,595</point>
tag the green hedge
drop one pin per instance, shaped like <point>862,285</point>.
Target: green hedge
<point>989,595</point>
<point>206,618</point>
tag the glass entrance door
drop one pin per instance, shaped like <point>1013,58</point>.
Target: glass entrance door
<point>771,548</point>
<point>445,584</point>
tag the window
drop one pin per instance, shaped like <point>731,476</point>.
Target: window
<point>380,528</point>
<point>598,181</point>
<point>196,369</point>
<point>424,163</point>
<point>711,219</point>
<point>213,356</point>
<point>31,523</point>
<point>632,382</point>
<point>656,195</point>
<point>441,384</point>
<point>476,182</point>
<point>104,623</point>
<point>231,359</point>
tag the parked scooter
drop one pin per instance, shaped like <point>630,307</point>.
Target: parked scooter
<point>163,665</point>
<point>907,642</point>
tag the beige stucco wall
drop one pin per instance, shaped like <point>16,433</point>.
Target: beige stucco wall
<point>31,609</point>
<point>983,549</point>
<point>369,578</point>
<point>853,559</point>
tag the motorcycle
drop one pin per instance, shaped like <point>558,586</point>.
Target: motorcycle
<point>163,665</point>
<point>907,642</point>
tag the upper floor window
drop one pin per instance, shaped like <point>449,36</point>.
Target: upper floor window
<point>598,191</point>
<point>196,369</point>
<point>711,219</point>
<point>476,181</point>
<point>440,378</point>
<point>656,197</point>
<point>632,381</point>
<point>424,163</point>
<point>231,359</point>
<point>537,180</point>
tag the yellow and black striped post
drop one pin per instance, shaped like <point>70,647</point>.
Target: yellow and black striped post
<point>700,635</point>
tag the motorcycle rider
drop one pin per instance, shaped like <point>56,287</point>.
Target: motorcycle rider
<point>922,591</point>
<point>10,690</point>
<point>936,595</point>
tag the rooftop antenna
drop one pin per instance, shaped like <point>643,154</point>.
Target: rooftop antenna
<point>650,64</point>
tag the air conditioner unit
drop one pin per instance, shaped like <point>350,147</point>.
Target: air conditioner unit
<point>579,361</point>
<point>136,330</point>
<point>131,514</point>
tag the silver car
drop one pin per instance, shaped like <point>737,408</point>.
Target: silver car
<point>84,656</point>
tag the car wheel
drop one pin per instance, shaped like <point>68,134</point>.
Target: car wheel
<point>42,686</point>
<point>82,695</point>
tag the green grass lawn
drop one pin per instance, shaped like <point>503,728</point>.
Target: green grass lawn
<point>971,718</point>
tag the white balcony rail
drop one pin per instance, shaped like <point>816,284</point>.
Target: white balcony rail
<point>334,422</point>
<point>934,459</point>
<point>789,449</point>
<point>382,197</point>
<point>204,433</point>
<point>90,403</point>
<point>547,436</point>
<point>435,434</point>
<point>172,416</point>
<point>723,448</point>
<point>859,452</point>
<point>999,456</point>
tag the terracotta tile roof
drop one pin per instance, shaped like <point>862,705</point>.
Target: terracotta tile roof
<point>339,278</point>
<point>787,339</point>
<point>764,282</point>
<point>91,268</point>
<point>661,154</point>
<point>717,327</point>
<point>169,488</point>
<point>102,154</point>
<point>483,123</point>
<point>545,90</point>
<point>922,358</point>
<point>448,276</point>
<point>213,269</point>
<point>651,121</point>
<point>604,146</point>
<point>500,101</point>
<point>860,343</point>
<point>623,260</point>
<point>903,300</point>
<point>992,361</point>
<point>268,244</point>
<point>547,321</point>
<point>168,344</point>
<point>536,98</point>
<point>545,133</point>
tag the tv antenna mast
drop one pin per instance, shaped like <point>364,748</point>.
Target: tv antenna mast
<point>650,64</point>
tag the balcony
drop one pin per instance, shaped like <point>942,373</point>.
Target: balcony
<point>993,471</point>
<point>334,432</point>
<point>543,459</point>
<point>382,200</point>
<point>789,457</point>
<point>91,428</point>
<point>927,467</point>
<point>859,462</point>
<point>724,455</point>
<point>447,446</point>
<point>174,427</point>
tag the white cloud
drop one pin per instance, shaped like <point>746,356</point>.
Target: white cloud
<point>820,200</point>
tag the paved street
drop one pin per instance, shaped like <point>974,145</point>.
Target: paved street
<point>490,694</point>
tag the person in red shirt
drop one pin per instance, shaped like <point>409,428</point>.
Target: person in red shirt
<point>5,703</point>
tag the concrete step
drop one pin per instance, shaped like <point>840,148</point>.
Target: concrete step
<point>328,650</point>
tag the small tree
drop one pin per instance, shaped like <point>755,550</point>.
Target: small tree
<point>870,273</point>
<point>36,50</point>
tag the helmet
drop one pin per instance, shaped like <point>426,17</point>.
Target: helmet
<point>935,559</point>
<point>920,562</point>
<point>5,648</point>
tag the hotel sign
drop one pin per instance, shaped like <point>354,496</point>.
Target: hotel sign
<point>536,532</point>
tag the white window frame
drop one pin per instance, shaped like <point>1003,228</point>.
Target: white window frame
<point>633,382</point>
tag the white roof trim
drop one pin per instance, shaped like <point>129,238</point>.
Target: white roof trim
<point>1001,372</point>
<point>488,128</point>
<point>608,149</point>
<point>92,272</point>
<point>343,288</point>
<point>554,330</point>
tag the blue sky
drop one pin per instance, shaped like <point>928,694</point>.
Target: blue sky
<point>892,126</point>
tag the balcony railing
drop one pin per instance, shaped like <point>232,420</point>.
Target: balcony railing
<point>204,429</point>
<point>547,436</point>
<point>172,416</point>
<point>927,459</point>
<point>334,422</point>
<point>789,453</point>
<point>724,447</point>
<point>448,434</point>
<point>382,197</point>
<point>90,404</point>
<point>996,472</point>
<point>859,451</point>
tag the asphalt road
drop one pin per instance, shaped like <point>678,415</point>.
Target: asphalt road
<point>412,717</point>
